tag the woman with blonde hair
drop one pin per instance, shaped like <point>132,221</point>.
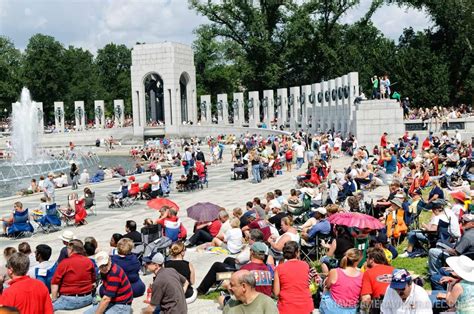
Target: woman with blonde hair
<point>130,265</point>
<point>183,267</point>
<point>337,298</point>
<point>290,233</point>
<point>233,238</point>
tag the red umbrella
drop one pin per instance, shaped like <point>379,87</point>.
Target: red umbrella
<point>358,220</point>
<point>158,203</point>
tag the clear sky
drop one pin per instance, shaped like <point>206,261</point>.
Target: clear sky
<point>93,23</point>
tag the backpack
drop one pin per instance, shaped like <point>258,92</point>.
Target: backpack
<point>238,153</point>
<point>46,275</point>
<point>289,154</point>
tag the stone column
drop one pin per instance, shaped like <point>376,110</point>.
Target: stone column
<point>99,114</point>
<point>205,104</point>
<point>39,107</point>
<point>332,103</point>
<point>325,106</point>
<point>338,107</point>
<point>313,99</point>
<point>254,110</point>
<point>269,107</point>
<point>282,106</point>
<point>238,106</point>
<point>59,116</point>
<point>353,82</point>
<point>222,109</point>
<point>305,95</point>
<point>293,105</point>
<point>79,115</point>
<point>119,112</point>
<point>345,107</point>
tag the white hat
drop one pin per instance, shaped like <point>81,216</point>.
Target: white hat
<point>320,210</point>
<point>274,204</point>
<point>67,236</point>
<point>463,266</point>
<point>102,258</point>
<point>308,191</point>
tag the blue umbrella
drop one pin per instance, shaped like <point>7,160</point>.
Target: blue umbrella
<point>203,211</point>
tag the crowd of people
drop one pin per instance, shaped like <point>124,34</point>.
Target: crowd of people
<point>288,250</point>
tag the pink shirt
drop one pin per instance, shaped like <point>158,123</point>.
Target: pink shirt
<point>346,290</point>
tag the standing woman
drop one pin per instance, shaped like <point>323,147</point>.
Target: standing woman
<point>255,163</point>
<point>74,174</point>
<point>184,268</point>
<point>291,283</point>
<point>338,298</point>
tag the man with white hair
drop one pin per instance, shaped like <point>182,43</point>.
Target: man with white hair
<point>247,299</point>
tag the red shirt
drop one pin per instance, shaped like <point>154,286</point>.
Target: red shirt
<point>214,227</point>
<point>263,226</point>
<point>74,275</point>
<point>294,295</point>
<point>29,296</point>
<point>374,285</point>
<point>263,277</point>
<point>383,141</point>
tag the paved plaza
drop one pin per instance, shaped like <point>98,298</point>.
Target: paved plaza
<point>222,191</point>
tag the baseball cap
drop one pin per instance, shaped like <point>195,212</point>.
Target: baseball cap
<point>102,258</point>
<point>131,178</point>
<point>259,247</point>
<point>157,258</point>
<point>400,279</point>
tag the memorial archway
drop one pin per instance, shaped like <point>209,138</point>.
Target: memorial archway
<point>154,98</point>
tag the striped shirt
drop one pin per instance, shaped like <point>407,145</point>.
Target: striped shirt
<point>116,286</point>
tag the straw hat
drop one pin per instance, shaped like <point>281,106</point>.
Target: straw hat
<point>67,236</point>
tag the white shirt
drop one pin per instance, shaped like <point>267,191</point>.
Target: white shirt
<point>225,227</point>
<point>458,136</point>
<point>337,142</point>
<point>299,149</point>
<point>233,238</point>
<point>418,302</point>
<point>43,267</point>
<point>155,182</point>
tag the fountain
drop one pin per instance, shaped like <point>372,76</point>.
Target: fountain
<point>25,129</point>
<point>28,159</point>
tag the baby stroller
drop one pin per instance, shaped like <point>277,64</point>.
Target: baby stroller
<point>75,214</point>
<point>266,171</point>
<point>202,174</point>
<point>240,171</point>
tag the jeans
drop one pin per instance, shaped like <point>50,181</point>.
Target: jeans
<point>329,306</point>
<point>256,173</point>
<point>66,302</point>
<point>201,236</point>
<point>75,180</point>
<point>434,260</point>
<point>436,278</point>
<point>415,237</point>
<point>113,308</point>
<point>299,162</point>
<point>210,279</point>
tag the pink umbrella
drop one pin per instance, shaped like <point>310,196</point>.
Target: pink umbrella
<point>358,220</point>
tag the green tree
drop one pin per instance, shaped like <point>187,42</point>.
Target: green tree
<point>113,63</point>
<point>452,38</point>
<point>10,80</point>
<point>43,71</point>
<point>83,81</point>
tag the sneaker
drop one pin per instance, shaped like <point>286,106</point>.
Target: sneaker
<point>404,255</point>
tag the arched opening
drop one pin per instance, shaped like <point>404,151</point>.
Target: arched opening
<point>154,100</point>
<point>183,88</point>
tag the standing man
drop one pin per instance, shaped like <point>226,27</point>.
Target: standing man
<point>73,282</point>
<point>155,184</point>
<point>27,295</point>
<point>383,140</point>
<point>167,290</point>
<point>116,291</point>
<point>299,150</point>
<point>48,188</point>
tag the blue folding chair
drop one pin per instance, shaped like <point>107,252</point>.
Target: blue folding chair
<point>50,221</point>
<point>21,225</point>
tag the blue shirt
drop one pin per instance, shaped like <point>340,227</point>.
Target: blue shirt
<point>322,227</point>
<point>391,166</point>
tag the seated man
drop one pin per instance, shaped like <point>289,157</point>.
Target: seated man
<point>131,232</point>
<point>206,231</point>
<point>40,270</point>
<point>259,224</point>
<point>170,220</point>
<point>73,282</point>
<point>322,226</point>
<point>118,195</point>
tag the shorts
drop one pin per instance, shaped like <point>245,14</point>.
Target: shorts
<point>289,160</point>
